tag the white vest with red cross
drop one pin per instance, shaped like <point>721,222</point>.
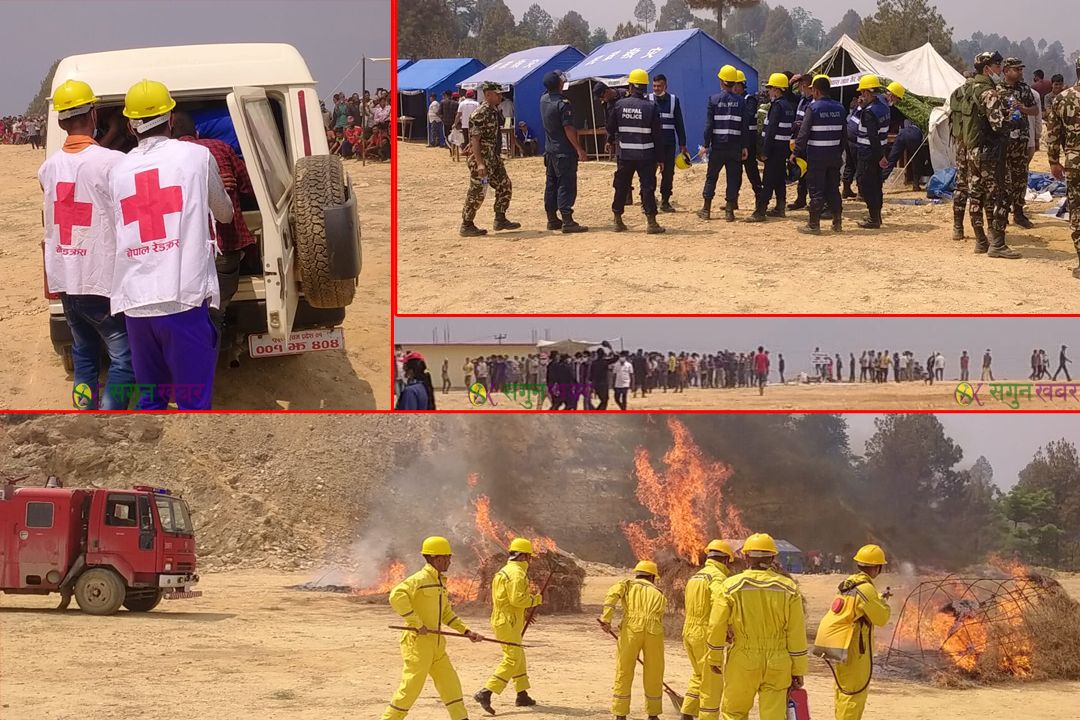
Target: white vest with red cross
<point>164,239</point>
<point>80,238</point>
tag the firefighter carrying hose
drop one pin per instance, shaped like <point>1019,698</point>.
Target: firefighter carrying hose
<point>510,598</point>
<point>421,601</point>
<point>702,699</point>
<point>768,653</point>
<point>641,631</point>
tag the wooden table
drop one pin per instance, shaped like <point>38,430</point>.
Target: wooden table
<point>406,128</point>
<point>508,141</point>
<point>595,133</point>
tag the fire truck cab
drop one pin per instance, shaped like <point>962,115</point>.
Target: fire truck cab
<point>108,548</point>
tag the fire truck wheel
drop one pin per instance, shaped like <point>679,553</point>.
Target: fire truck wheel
<point>145,602</point>
<point>319,183</point>
<point>100,591</point>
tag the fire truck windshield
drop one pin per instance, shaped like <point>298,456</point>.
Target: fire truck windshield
<point>174,515</point>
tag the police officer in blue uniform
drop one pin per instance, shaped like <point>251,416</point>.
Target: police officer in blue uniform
<point>608,96</point>
<point>673,136</point>
<point>562,152</point>
<point>727,135</point>
<point>873,134</point>
<point>775,149</point>
<point>821,142</point>
<point>850,161</point>
<point>802,82</point>
<point>634,125</point>
<point>750,164</point>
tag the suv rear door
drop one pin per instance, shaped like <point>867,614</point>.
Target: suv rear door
<point>272,180</point>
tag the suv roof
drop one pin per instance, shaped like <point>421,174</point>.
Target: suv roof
<point>187,67</point>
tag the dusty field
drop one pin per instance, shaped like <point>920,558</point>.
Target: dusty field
<point>251,649</point>
<point>910,266</point>
<point>32,377</point>
<point>837,397</point>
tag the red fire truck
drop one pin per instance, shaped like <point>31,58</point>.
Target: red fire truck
<point>108,548</point>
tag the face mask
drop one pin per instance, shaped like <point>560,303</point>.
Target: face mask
<point>997,77</point>
<point>661,94</point>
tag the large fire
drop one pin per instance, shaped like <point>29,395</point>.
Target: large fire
<point>686,501</point>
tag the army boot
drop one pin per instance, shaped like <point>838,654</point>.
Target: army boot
<point>813,226</point>
<point>654,227</point>
<point>729,212</point>
<point>618,225</point>
<point>665,206</point>
<point>982,244</point>
<point>484,698</point>
<point>776,212</point>
<point>1021,219</point>
<point>799,204</point>
<point>838,223</point>
<point>569,225</point>
<point>523,699</point>
<point>826,214</point>
<point>501,223</point>
<point>758,215</point>
<point>469,229</point>
<point>848,193</point>
<point>554,223</point>
<point>998,248</point>
<point>704,212</point>
<point>874,223</point>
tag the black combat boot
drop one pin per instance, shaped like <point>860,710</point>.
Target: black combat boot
<point>554,223</point>
<point>665,206</point>
<point>874,223</point>
<point>523,699</point>
<point>982,244</point>
<point>826,214</point>
<point>799,204</point>
<point>1021,219</point>
<point>729,212</point>
<point>469,229</point>
<point>998,248</point>
<point>484,698</point>
<point>813,226</point>
<point>838,223</point>
<point>618,225</point>
<point>654,227</point>
<point>569,225</point>
<point>759,214</point>
<point>501,223</point>
<point>848,193</point>
<point>958,223</point>
<point>776,212</point>
<point>705,210</point>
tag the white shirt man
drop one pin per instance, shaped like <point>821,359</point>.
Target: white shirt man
<point>506,107</point>
<point>624,372</point>
<point>939,365</point>
<point>465,109</point>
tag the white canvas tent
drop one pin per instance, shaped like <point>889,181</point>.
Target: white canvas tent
<point>940,138</point>
<point>568,345</point>
<point>922,70</point>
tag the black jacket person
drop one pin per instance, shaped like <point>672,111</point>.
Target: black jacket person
<point>634,125</point>
<point>562,152</point>
<point>822,142</point>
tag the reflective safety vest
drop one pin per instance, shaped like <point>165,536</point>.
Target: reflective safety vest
<point>826,130</point>
<point>728,116</point>
<point>164,243</point>
<point>853,121</point>
<point>783,125</point>
<point>634,116</point>
<point>881,109</point>
<point>804,105</point>
<point>80,238</point>
<point>667,118</point>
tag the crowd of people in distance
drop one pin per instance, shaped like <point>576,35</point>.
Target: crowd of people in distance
<point>23,130</point>
<point>359,127</point>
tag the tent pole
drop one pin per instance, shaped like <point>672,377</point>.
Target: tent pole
<point>363,89</point>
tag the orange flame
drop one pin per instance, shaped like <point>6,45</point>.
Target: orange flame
<point>389,577</point>
<point>686,501</point>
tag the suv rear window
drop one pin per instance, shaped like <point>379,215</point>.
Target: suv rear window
<point>269,151</point>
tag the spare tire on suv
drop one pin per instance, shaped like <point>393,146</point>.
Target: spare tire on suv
<point>327,264</point>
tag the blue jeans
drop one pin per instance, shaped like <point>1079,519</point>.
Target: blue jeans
<point>91,325</point>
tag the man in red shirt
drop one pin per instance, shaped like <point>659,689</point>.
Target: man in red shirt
<point>235,236</point>
<point>1041,86</point>
<point>354,139</point>
<point>761,369</point>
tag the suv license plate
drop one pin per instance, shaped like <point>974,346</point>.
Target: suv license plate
<point>183,595</point>
<point>304,341</point>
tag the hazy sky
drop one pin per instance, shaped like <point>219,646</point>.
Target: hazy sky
<point>1052,19</point>
<point>331,36</point>
<point>1011,340</point>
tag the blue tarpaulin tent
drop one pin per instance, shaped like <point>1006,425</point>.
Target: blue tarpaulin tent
<point>424,77</point>
<point>402,64</point>
<point>690,59</point>
<point>522,75</point>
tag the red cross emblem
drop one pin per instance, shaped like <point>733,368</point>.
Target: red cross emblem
<point>67,213</point>
<point>150,204</point>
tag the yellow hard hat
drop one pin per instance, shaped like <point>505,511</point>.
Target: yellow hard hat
<point>722,547</point>
<point>521,545</point>
<point>869,82</point>
<point>147,99</point>
<point>682,161</point>
<point>72,98</point>
<point>797,169</point>
<point>819,76</point>
<point>639,77</point>
<point>778,80</point>
<point>897,89</point>
<point>436,545</point>
<point>870,555</point>
<point>740,76</point>
<point>647,566</point>
<point>761,543</point>
<point>728,74</point>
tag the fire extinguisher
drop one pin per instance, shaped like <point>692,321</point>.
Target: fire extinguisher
<point>798,708</point>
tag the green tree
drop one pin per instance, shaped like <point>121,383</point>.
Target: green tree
<point>828,432</point>
<point>572,29</point>
<point>1055,469</point>
<point>498,22</point>
<point>674,15</point>
<point>598,37</point>
<point>750,21</point>
<point>849,25</point>
<point>40,102</point>
<point>779,41</point>
<point>537,24</point>
<point>626,30</point>
<point>427,28</point>
<point>645,13</point>
<point>721,8</point>
<point>902,25</point>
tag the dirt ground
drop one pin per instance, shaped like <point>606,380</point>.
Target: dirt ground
<point>31,374</point>
<point>793,397</point>
<point>910,266</point>
<point>249,648</point>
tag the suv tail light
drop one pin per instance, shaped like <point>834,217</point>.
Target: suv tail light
<point>45,276</point>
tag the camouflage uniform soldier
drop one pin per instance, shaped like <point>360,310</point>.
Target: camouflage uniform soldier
<point>960,196</point>
<point>1063,132</point>
<point>1022,99</point>
<point>485,164</point>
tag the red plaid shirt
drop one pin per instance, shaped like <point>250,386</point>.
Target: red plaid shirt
<point>234,235</point>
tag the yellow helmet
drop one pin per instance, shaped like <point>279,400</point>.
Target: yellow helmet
<point>740,76</point>
<point>647,566</point>
<point>760,543</point>
<point>73,98</point>
<point>720,546</point>
<point>869,82</point>
<point>682,161</point>
<point>147,99</point>
<point>521,545</point>
<point>870,555</point>
<point>897,89</point>
<point>819,76</point>
<point>778,80</point>
<point>639,77</point>
<point>728,74</point>
<point>436,545</point>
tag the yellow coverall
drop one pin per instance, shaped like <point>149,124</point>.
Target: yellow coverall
<point>706,687</point>
<point>421,601</point>
<point>765,610</point>
<point>856,671</point>
<point>641,630</point>
<point>509,599</point>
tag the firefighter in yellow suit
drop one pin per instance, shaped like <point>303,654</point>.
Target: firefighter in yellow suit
<point>641,631</point>
<point>769,652</point>
<point>510,598</point>
<point>870,610</point>
<point>422,602</point>
<point>703,695</point>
